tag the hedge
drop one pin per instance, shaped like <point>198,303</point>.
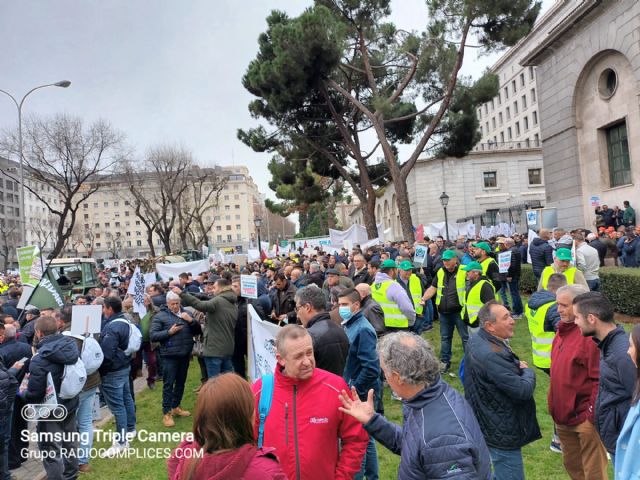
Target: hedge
<point>620,285</point>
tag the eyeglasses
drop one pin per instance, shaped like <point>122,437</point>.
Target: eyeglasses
<point>298,307</point>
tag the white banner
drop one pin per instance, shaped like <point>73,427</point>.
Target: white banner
<point>137,287</point>
<point>249,286</point>
<point>504,261</point>
<point>172,270</point>
<point>532,235</point>
<point>356,234</point>
<point>262,345</point>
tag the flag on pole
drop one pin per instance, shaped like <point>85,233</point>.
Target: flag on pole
<point>47,294</point>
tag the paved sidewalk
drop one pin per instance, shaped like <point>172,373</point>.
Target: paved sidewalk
<point>32,469</point>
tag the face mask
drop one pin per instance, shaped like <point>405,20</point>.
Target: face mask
<point>345,313</point>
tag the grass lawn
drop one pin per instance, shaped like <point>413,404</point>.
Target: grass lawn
<point>540,462</point>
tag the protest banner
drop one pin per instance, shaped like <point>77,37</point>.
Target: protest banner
<point>261,345</point>
<point>46,294</point>
<point>26,257</point>
<point>421,255</point>
<point>172,270</point>
<point>249,286</point>
<point>86,319</point>
<point>504,261</point>
<point>137,287</point>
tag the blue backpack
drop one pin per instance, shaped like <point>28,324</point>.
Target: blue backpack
<point>266,396</point>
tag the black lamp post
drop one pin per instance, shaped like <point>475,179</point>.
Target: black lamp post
<point>444,201</point>
<point>257,221</point>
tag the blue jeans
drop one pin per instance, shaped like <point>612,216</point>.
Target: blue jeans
<point>369,463</point>
<point>507,464</point>
<point>449,321</point>
<point>116,392</point>
<point>514,291</point>
<point>424,321</point>
<point>218,365</point>
<point>85,423</point>
<point>594,285</point>
<point>175,371</point>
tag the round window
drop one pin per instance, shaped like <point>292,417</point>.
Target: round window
<point>608,83</point>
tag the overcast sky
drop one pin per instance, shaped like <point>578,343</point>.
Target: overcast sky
<point>158,70</point>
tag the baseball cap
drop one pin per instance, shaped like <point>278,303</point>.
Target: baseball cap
<point>332,271</point>
<point>563,254</point>
<point>388,263</point>
<point>483,245</point>
<point>449,254</point>
<point>405,265</point>
<point>472,266</point>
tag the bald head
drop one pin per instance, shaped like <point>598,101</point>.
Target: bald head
<point>364,289</point>
<point>545,234</point>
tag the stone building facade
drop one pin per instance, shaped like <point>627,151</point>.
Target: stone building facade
<point>588,76</point>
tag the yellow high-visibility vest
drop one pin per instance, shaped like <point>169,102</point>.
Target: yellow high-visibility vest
<point>473,302</point>
<point>569,274</point>
<point>393,316</point>
<point>461,285</point>
<point>485,267</point>
<point>415,287</point>
<point>540,340</point>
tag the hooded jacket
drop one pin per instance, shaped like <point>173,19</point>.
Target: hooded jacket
<point>114,338</point>
<point>575,372</point>
<point>362,369</point>
<point>552,318</point>
<point>617,380</point>
<point>440,437</point>
<point>312,438</point>
<point>244,463</point>
<point>541,255</point>
<point>53,353</point>
<point>330,343</point>
<point>219,329</point>
<point>179,344</point>
<point>500,392</point>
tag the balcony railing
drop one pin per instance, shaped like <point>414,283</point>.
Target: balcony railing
<point>496,146</point>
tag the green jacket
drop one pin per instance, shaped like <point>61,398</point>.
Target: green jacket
<point>629,216</point>
<point>221,316</point>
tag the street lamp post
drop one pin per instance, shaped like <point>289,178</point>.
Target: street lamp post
<point>257,221</point>
<point>444,201</point>
<point>23,215</point>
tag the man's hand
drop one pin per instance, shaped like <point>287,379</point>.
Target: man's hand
<point>176,290</point>
<point>18,365</point>
<point>352,405</point>
<point>175,328</point>
<point>509,279</point>
<point>186,317</point>
<point>523,364</point>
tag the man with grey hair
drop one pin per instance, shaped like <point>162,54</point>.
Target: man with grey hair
<point>500,388</point>
<point>450,443</point>
<point>330,343</point>
<point>588,262</point>
<point>315,276</point>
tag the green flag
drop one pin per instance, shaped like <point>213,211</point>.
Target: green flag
<point>47,294</point>
<point>26,257</point>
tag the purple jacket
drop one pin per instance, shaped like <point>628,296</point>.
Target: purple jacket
<point>398,295</point>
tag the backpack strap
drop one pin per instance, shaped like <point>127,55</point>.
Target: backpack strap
<point>266,397</point>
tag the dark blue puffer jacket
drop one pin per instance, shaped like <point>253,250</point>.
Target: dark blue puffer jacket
<point>541,255</point>
<point>53,353</point>
<point>114,339</point>
<point>179,344</point>
<point>440,437</point>
<point>617,381</point>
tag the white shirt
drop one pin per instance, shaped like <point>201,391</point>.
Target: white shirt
<point>588,261</point>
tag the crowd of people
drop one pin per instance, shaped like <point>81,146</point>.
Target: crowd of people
<point>351,323</point>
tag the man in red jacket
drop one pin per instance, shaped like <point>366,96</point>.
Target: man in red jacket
<point>575,372</point>
<point>312,438</point>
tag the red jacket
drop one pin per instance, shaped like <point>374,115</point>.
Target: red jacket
<point>305,426</point>
<point>575,373</point>
<point>245,463</point>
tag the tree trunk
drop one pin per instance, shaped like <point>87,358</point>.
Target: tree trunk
<point>152,250</point>
<point>369,217</point>
<point>404,209</point>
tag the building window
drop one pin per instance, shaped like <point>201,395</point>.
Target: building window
<point>502,137</point>
<point>490,179</point>
<point>480,113</point>
<point>535,118</point>
<point>522,79</point>
<point>508,111</point>
<point>515,107</point>
<point>126,213</point>
<point>138,243</point>
<point>526,123</point>
<point>499,98</point>
<point>128,243</point>
<point>513,86</point>
<point>500,118</point>
<point>106,204</point>
<point>227,207</point>
<point>618,149</point>
<point>128,234</point>
<point>486,108</point>
<point>85,206</point>
<point>86,216</point>
<point>238,226</point>
<point>107,225</point>
<point>506,93</point>
<point>219,228</point>
<point>535,176</point>
<point>98,245</point>
<point>533,96</point>
<point>239,236</point>
<point>531,74</point>
<point>229,238</point>
<point>536,140</point>
<point>229,227</point>
<point>137,223</point>
<point>517,129</point>
<point>493,105</point>
<point>493,122</point>
<point>509,134</point>
<point>491,217</point>
<point>226,197</point>
<point>487,127</point>
<point>524,102</point>
<point>219,238</point>
<point>116,203</point>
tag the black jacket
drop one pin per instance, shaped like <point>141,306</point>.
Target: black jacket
<point>114,338</point>
<point>601,248</point>
<point>8,387</point>
<point>11,351</point>
<point>617,381</point>
<point>179,344</point>
<point>316,278</point>
<point>608,216</point>
<point>28,332</point>
<point>372,311</point>
<point>516,263</point>
<point>330,343</point>
<point>361,277</point>
<point>53,353</point>
<point>541,255</point>
<point>500,392</point>
<point>449,303</point>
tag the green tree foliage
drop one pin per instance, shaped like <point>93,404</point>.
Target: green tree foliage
<point>340,74</point>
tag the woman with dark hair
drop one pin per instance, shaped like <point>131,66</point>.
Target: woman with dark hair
<point>627,459</point>
<point>223,445</point>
